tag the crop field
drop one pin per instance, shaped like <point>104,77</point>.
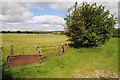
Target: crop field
<point>74,63</point>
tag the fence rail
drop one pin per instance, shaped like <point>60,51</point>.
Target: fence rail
<point>49,46</point>
<point>40,49</point>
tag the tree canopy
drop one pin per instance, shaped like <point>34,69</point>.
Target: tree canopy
<point>89,25</point>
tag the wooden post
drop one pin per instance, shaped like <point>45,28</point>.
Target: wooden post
<point>11,50</point>
<point>62,49</point>
<point>38,50</point>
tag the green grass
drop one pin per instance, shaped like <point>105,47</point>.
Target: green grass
<point>73,64</point>
<point>27,43</point>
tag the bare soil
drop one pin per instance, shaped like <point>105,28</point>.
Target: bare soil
<point>19,60</point>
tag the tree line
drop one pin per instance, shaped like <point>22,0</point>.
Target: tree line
<point>34,32</point>
<point>116,33</point>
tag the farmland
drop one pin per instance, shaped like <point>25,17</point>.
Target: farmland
<point>75,63</point>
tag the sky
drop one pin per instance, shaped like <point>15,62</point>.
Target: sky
<point>41,15</point>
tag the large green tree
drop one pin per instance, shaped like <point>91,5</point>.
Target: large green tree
<point>89,25</point>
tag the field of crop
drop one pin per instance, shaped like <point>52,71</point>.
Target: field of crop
<point>75,63</point>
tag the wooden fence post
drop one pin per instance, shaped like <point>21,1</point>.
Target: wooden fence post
<point>38,50</point>
<point>62,49</point>
<point>11,50</point>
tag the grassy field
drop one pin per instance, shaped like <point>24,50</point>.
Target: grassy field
<point>75,63</point>
<point>27,43</point>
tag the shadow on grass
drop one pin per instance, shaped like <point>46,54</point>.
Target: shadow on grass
<point>6,75</point>
<point>103,78</point>
<point>80,45</point>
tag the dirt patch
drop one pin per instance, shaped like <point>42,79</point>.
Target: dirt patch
<point>19,60</point>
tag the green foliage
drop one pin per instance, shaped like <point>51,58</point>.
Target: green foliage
<point>89,25</point>
<point>116,33</point>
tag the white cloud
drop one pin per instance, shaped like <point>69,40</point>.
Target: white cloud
<point>46,25</point>
<point>60,5</point>
<point>59,0</point>
<point>48,19</point>
<point>29,27</point>
<point>20,11</point>
<point>14,12</point>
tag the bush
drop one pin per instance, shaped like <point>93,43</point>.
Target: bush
<point>116,33</point>
<point>89,25</point>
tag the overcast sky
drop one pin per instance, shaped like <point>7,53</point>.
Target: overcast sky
<point>40,16</point>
